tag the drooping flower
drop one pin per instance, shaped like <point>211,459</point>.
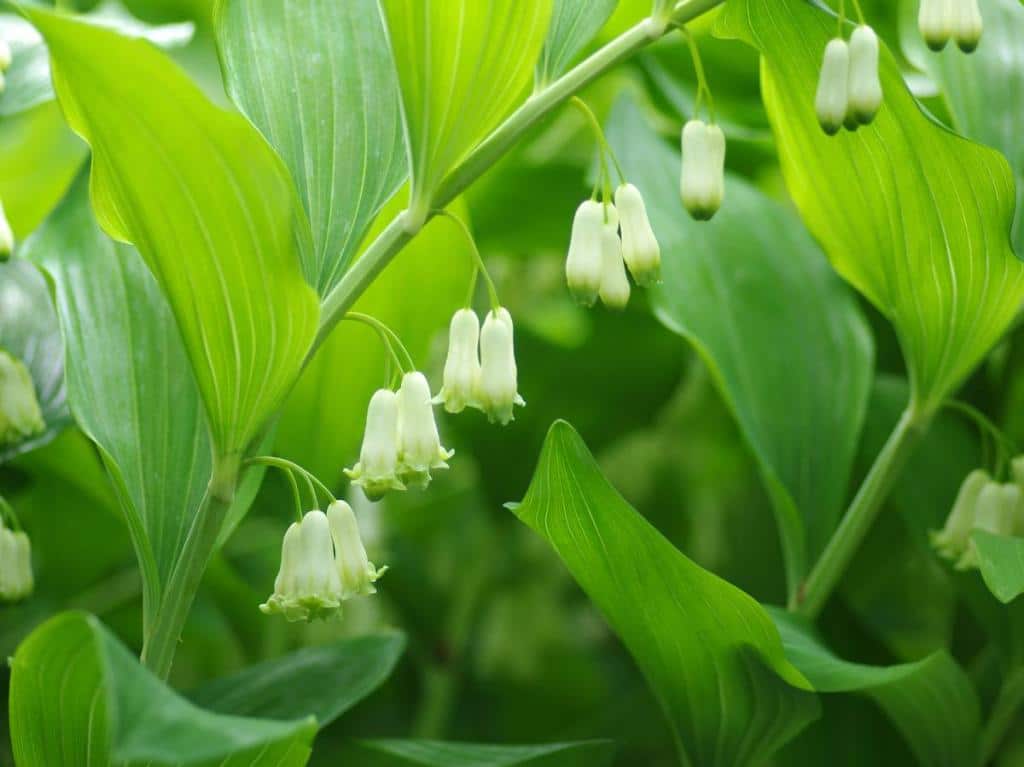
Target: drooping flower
<point>702,186</point>
<point>968,25</point>
<point>831,103</point>
<point>952,540</point>
<point>16,581</point>
<point>356,572</point>
<point>936,20</point>
<point>499,388</point>
<point>377,469</point>
<point>614,282</point>
<point>995,512</point>
<point>640,248</point>
<point>419,445</point>
<point>6,233</point>
<point>462,367</point>
<point>308,585</point>
<point>20,416</point>
<point>865,87</point>
<point>583,267</point>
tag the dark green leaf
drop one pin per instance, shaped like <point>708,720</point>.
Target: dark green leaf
<point>427,753</point>
<point>1002,564</point>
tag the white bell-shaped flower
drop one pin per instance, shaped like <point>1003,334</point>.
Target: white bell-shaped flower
<point>583,267</point>
<point>6,233</point>
<point>995,512</point>
<point>865,86</point>
<point>308,585</point>
<point>614,282</point>
<point>20,416</point>
<point>831,103</point>
<point>936,20</point>
<point>640,248</point>
<point>499,387</point>
<point>462,367</point>
<point>419,444</point>
<point>16,581</point>
<point>968,25</point>
<point>6,55</point>
<point>355,570</point>
<point>952,540</point>
<point>377,470</point>
<point>702,186</point>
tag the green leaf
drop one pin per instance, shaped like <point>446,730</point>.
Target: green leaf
<point>931,701</point>
<point>462,66</point>
<point>915,217</point>
<point>775,326</point>
<point>30,332</point>
<point>333,116</point>
<point>322,682</point>
<point>429,753</point>
<point>79,697</point>
<point>1001,560</point>
<point>211,209</point>
<point>709,652</point>
<point>573,24</point>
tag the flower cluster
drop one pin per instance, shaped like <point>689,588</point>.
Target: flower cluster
<point>15,564</point>
<point>981,504</point>
<point>20,416</point>
<point>940,20</point>
<point>849,89</point>
<point>323,563</point>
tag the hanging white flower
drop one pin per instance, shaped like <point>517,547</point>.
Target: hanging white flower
<point>462,367</point>
<point>498,390</point>
<point>831,102</point>
<point>16,581</point>
<point>308,585</point>
<point>614,282</point>
<point>419,445</point>
<point>377,469</point>
<point>865,86</point>
<point>583,267</point>
<point>6,233</point>
<point>936,20</point>
<point>355,570</point>
<point>702,186</point>
<point>640,248</point>
<point>995,512</point>
<point>968,25</point>
<point>20,416</point>
<point>952,540</point>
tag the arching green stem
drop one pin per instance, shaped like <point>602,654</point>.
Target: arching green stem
<point>389,337</point>
<point>604,148</point>
<point>478,260</point>
<point>284,464</point>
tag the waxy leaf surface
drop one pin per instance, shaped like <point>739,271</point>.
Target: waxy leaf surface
<point>574,23</point>
<point>430,753</point>
<point>1001,559</point>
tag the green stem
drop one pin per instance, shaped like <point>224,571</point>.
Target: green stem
<point>1004,713</point>
<point>846,540</point>
<point>478,261</point>
<point>1005,447</point>
<point>702,80</point>
<point>397,234</point>
<point>286,465</point>
<point>602,142</point>
<point>389,337</point>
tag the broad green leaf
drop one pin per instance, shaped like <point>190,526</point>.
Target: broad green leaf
<point>915,217</point>
<point>462,66</point>
<point>430,753</point>
<point>1001,560</point>
<point>79,697</point>
<point>708,651</point>
<point>931,701</point>
<point>322,682</point>
<point>757,299</point>
<point>985,90</point>
<point>316,78</point>
<point>574,23</point>
<point>29,331</point>
<point>210,208</point>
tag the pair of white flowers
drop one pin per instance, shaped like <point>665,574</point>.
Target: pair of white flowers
<point>941,20</point>
<point>323,563</point>
<point>20,416</point>
<point>16,580</point>
<point>598,256</point>
<point>849,89</point>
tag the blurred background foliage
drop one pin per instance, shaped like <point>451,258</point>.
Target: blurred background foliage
<point>502,645</point>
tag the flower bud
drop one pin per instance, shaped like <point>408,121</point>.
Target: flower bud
<point>952,540</point>
<point>308,585</point>
<point>6,55</point>
<point>639,245</point>
<point>583,267</point>
<point>20,416</point>
<point>995,510</point>
<point>377,470</point>
<point>968,25</point>
<point>462,367</point>
<point>936,20</point>
<point>865,87</point>
<point>831,100</point>
<point>6,234</point>
<point>419,445</point>
<point>355,570</point>
<point>614,282</point>
<point>498,390</point>
<point>16,581</point>
<point>702,186</point>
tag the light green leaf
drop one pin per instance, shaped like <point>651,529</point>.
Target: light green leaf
<point>462,66</point>
<point>29,331</point>
<point>429,753</point>
<point>756,297</point>
<point>211,209</point>
<point>79,698</point>
<point>333,116</point>
<point>915,217</point>
<point>709,652</point>
<point>322,682</point>
<point>1001,560</point>
<point>573,24</point>
<point>931,701</point>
